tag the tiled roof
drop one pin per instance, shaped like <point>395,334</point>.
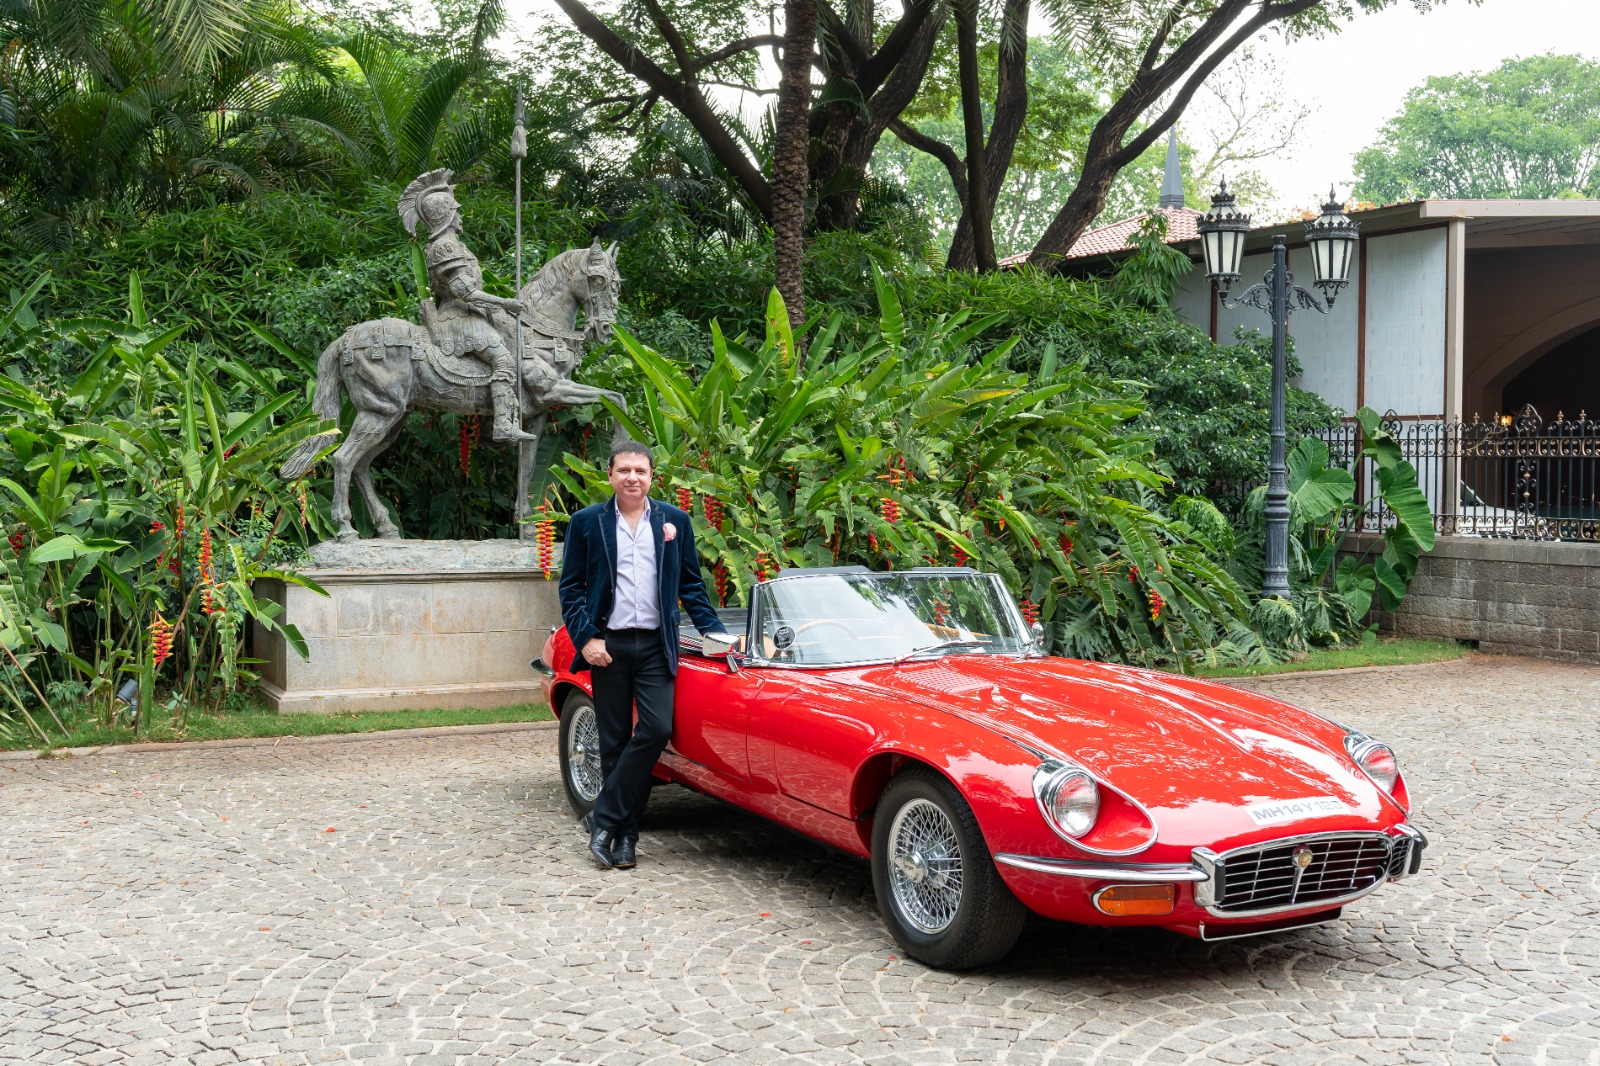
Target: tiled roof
<point>1182,226</point>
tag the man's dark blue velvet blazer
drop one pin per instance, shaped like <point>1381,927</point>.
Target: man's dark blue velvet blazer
<point>589,574</point>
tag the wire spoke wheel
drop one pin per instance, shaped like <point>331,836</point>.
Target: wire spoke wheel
<point>583,753</point>
<point>925,866</point>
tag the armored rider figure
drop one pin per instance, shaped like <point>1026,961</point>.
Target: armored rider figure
<point>462,318</point>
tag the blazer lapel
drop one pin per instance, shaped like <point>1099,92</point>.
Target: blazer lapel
<point>608,535</point>
<point>657,520</point>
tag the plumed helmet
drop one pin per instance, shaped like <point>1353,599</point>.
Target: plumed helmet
<point>422,201</point>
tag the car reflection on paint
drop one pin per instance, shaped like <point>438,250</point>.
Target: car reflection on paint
<point>909,718</point>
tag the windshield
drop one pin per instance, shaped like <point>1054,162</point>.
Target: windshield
<point>838,619</point>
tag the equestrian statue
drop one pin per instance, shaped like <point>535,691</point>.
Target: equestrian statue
<point>474,353</point>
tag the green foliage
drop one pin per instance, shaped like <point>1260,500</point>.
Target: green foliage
<point>904,447</point>
<point>139,503</point>
<point>1331,594</point>
<point>1527,129</point>
<point>1206,404</point>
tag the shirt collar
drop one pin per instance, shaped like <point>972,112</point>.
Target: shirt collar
<point>644,516</point>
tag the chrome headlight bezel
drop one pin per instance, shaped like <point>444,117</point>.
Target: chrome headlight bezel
<point>1370,755</point>
<point>1054,782</point>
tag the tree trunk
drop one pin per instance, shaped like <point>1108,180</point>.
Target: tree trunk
<point>789,169</point>
<point>1010,112</point>
<point>888,80</point>
<point>978,202</point>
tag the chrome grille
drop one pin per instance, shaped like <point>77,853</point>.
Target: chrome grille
<point>1271,878</point>
<point>1399,856</point>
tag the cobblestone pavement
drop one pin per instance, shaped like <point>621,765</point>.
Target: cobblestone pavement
<point>425,901</point>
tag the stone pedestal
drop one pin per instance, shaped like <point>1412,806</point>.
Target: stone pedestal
<point>411,625</point>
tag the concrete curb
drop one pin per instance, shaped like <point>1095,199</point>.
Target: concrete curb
<point>273,742</point>
<point>1291,674</point>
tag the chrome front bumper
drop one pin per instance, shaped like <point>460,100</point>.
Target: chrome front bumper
<point>1402,857</point>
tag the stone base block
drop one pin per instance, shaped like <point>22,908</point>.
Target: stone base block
<point>454,625</point>
<point>433,698</point>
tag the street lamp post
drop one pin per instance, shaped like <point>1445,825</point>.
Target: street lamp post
<point>1332,239</point>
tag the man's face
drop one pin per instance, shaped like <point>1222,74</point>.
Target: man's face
<point>630,478</point>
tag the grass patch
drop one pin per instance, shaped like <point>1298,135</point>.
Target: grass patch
<point>258,721</point>
<point>1397,651</point>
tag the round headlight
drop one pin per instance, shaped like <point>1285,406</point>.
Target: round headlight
<point>1380,764</point>
<point>1069,799</point>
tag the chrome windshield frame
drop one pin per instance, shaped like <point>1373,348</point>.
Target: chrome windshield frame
<point>761,590</point>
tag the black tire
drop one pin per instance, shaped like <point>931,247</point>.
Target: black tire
<point>979,922</point>
<point>580,752</point>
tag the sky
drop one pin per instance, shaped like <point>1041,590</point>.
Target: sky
<point>1357,79</point>
<point>1378,57</point>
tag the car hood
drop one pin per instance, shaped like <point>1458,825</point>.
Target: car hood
<point>1203,759</point>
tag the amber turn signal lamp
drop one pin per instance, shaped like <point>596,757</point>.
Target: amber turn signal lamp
<point>1123,900</point>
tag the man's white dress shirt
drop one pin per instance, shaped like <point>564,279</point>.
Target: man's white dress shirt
<point>637,600</point>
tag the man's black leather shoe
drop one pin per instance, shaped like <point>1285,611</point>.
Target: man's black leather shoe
<point>586,823</point>
<point>623,856</point>
<point>600,849</point>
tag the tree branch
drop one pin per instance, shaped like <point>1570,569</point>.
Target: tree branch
<point>728,51</point>
<point>936,148</point>
<point>674,39</point>
<point>1163,31</point>
<point>682,95</point>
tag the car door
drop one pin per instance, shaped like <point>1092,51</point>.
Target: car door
<point>711,709</point>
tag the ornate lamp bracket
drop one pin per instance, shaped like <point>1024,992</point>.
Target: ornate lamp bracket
<point>1259,296</point>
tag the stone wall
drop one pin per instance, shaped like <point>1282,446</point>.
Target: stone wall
<point>410,625</point>
<point>1512,597</point>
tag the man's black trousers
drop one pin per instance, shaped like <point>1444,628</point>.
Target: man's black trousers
<point>637,677</point>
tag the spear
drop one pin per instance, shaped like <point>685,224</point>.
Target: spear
<point>519,149</point>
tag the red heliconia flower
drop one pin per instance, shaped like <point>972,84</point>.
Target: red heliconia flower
<point>180,520</point>
<point>766,566</point>
<point>1030,611</point>
<point>1066,544</point>
<point>206,577</point>
<point>961,556</point>
<point>300,490</point>
<point>1035,543</point>
<point>160,639</point>
<point>1133,574</point>
<point>157,526</point>
<point>468,437</point>
<point>544,535</point>
<point>1156,604</point>
<point>872,542</point>
<point>891,510</point>
<point>685,499</point>
<point>719,574</point>
<point>713,512</point>
<point>18,541</point>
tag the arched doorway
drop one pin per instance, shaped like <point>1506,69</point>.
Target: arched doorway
<point>1565,380</point>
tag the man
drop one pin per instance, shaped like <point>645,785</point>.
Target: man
<point>628,563</point>
<point>467,320</point>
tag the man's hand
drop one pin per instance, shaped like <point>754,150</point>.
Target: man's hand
<point>595,654</point>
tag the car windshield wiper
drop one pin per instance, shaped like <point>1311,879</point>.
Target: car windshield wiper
<point>942,646</point>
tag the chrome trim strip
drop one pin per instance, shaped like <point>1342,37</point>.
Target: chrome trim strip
<point>1132,873</point>
<point>1340,901</point>
<point>1212,938</point>
<point>540,668</point>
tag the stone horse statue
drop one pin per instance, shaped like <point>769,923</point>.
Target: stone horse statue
<point>389,366</point>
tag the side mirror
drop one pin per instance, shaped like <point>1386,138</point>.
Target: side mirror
<point>1036,634</point>
<point>714,646</point>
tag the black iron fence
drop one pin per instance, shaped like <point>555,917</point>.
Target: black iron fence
<point>1515,476</point>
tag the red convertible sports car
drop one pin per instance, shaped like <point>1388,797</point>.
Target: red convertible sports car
<point>909,718</point>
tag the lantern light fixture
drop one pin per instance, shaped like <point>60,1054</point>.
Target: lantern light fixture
<point>1222,233</point>
<point>1332,238</point>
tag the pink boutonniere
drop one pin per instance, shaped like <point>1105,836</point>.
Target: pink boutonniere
<point>668,531</point>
